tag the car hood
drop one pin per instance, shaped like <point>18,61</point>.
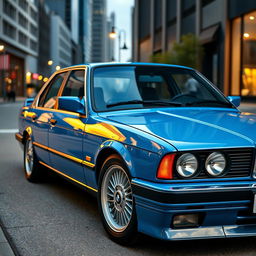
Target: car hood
<point>193,128</point>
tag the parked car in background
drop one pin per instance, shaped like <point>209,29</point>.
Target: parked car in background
<point>166,153</point>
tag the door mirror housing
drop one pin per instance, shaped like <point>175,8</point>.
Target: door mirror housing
<point>73,104</point>
<point>235,100</point>
<point>28,102</point>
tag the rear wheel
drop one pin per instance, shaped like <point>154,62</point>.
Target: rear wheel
<point>32,167</point>
<point>116,202</point>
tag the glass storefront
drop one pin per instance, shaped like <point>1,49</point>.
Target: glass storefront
<point>243,55</point>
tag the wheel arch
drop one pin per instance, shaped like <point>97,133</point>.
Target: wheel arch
<point>113,148</point>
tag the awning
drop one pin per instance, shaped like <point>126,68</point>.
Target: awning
<point>209,35</point>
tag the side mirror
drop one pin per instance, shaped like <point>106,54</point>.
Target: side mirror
<point>73,104</point>
<point>235,100</point>
<point>28,102</point>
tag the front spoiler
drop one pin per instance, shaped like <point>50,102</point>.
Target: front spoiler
<point>210,232</point>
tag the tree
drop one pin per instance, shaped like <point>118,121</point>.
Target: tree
<point>189,52</point>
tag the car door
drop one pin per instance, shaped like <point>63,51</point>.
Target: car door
<point>42,113</point>
<point>66,131</point>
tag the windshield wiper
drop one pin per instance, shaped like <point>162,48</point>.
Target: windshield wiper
<point>130,102</point>
<point>210,102</point>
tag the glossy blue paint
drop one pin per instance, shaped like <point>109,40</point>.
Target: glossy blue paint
<point>142,137</point>
<point>236,100</point>
<point>71,104</point>
<point>28,102</point>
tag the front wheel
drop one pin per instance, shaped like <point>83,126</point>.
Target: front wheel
<point>32,167</point>
<point>116,202</point>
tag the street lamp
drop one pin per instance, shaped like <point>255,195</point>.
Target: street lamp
<point>113,35</point>
<point>57,67</point>
<point>50,62</point>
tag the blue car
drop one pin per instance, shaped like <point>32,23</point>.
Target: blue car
<point>164,151</point>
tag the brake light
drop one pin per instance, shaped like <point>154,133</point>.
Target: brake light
<point>165,169</point>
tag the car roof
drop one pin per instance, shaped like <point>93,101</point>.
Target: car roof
<point>101,64</point>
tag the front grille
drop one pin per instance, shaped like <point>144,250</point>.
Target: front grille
<point>239,162</point>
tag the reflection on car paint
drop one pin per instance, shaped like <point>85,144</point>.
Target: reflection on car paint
<point>99,129</point>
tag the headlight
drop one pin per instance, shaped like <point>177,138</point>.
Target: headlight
<point>215,164</point>
<point>187,165</point>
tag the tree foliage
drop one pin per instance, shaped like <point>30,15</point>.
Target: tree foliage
<point>189,52</point>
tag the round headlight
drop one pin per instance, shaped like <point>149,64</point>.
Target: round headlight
<point>215,164</point>
<point>187,165</point>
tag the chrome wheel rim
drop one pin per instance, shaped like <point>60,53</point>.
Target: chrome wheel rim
<point>29,158</point>
<point>116,198</point>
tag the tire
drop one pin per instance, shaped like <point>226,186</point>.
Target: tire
<point>116,202</point>
<point>32,167</point>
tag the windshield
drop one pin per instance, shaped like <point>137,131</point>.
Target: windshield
<point>128,87</point>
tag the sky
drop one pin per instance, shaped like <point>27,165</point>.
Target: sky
<point>123,11</point>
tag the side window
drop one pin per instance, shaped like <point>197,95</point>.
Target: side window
<point>48,97</point>
<point>75,84</point>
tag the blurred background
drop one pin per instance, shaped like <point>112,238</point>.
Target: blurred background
<point>217,37</point>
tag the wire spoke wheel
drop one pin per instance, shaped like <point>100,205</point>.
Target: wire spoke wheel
<point>29,157</point>
<point>116,198</point>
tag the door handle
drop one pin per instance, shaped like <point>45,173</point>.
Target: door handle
<point>53,121</point>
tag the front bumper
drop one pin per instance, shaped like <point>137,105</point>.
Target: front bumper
<point>227,209</point>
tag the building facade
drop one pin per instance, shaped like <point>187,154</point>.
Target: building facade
<point>99,31</point>
<point>44,39</point>
<point>85,24</point>
<point>19,39</point>
<point>68,11</point>
<point>225,28</point>
<point>61,43</point>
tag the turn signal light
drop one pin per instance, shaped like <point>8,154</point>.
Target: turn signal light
<point>165,169</point>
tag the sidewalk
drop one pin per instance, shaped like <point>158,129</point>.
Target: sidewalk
<point>5,248</point>
<point>18,99</point>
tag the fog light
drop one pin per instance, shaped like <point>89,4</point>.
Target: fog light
<point>186,221</point>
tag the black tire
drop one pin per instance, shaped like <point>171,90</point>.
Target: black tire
<point>33,171</point>
<point>127,233</point>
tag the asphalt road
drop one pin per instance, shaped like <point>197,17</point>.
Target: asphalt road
<point>56,218</point>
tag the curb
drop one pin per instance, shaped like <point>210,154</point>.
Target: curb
<point>7,247</point>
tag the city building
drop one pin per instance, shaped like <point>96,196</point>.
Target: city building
<point>68,11</point>
<point>61,43</point>
<point>99,31</point>
<point>85,24</point>
<point>18,43</point>
<point>44,39</point>
<point>225,28</point>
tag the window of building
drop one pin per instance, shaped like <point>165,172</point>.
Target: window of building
<point>33,13</point>
<point>188,16</point>
<point>23,21</point>
<point>9,9</point>
<point>23,4</point>
<point>235,55</point>
<point>249,55</point>
<point>33,29</point>
<point>9,30</point>
<point>33,45</point>
<point>243,55</point>
<point>23,39</point>
<point>144,22</point>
